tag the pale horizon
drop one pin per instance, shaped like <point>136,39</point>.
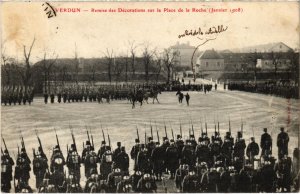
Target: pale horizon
<point>259,23</point>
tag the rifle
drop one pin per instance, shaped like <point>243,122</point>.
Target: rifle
<point>39,140</point>
<point>137,133</point>
<point>57,139</point>
<point>218,128</point>
<point>92,139</point>
<point>229,126</point>
<point>4,145</point>
<point>242,126</point>
<point>108,139</point>
<point>18,151</point>
<point>201,128</point>
<point>157,137</point>
<point>165,129</point>
<point>145,137</point>
<point>2,151</point>
<point>74,142</point>
<point>22,142</point>
<point>151,130</point>
<point>180,129</point>
<point>192,128</point>
<point>205,127</point>
<point>87,132</point>
<point>103,135</point>
<point>172,134</point>
<point>67,148</point>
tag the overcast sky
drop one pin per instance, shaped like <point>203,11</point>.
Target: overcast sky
<point>259,23</point>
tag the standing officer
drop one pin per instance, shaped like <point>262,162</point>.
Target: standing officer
<point>122,161</point>
<point>266,143</point>
<point>252,150</point>
<point>187,98</point>
<point>282,143</point>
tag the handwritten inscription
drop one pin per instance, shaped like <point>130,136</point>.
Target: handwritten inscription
<point>198,32</point>
<point>48,9</point>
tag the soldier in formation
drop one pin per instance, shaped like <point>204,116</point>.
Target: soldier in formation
<point>13,95</point>
<point>200,167</point>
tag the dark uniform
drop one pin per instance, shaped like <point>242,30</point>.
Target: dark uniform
<point>74,163</point>
<point>187,98</point>
<point>57,167</point>
<point>143,160</point>
<point>283,171</point>
<point>40,166</point>
<point>188,154</point>
<point>146,184</point>
<point>157,161</point>
<point>22,169</point>
<point>106,164</point>
<point>181,172</point>
<point>172,159</point>
<point>266,144</point>
<point>190,183</point>
<point>122,161</point>
<point>90,162</point>
<point>6,171</point>
<point>282,143</point>
<point>227,148</point>
<point>252,150</point>
<point>134,152</point>
<point>114,178</point>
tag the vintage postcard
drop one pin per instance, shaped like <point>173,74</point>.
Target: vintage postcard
<point>150,97</point>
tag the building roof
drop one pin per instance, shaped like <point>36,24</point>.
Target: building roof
<point>210,54</point>
<point>261,48</point>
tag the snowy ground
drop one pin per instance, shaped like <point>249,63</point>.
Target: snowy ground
<point>120,120</point>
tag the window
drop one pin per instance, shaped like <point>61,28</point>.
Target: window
<point>206,63</point>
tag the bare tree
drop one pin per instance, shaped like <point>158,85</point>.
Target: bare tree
<point>169,60</point>
<point>109,58</point>
<point>147,57</point>
<point>6,67</point>
<point>133,48</point>
<point>26,75</point>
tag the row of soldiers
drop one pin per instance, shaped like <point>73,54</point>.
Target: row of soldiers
<point>93,93</point>
<point>13,95</point>
<point>192,87</point>
<point>278,89</point>
<point>209,165</point>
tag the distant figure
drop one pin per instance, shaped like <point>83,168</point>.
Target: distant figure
<point>252,150</point>
<point>187,98</point>
<point>216,86</point>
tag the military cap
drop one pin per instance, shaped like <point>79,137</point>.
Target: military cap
<point>137,141</point>
<point>118,143</point>
<point>87,143</point>
<point>265,129</point>
<point>178,136</point>
<point>281,128</point>
<point>103,142</point>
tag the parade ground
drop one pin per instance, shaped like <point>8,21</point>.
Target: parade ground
<point>119,120</point>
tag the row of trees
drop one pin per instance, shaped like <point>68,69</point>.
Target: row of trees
<point>154,64</point>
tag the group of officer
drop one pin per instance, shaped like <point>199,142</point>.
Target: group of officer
<point>286,90</point>
<point>12,95</point>
<point>209,165</point>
